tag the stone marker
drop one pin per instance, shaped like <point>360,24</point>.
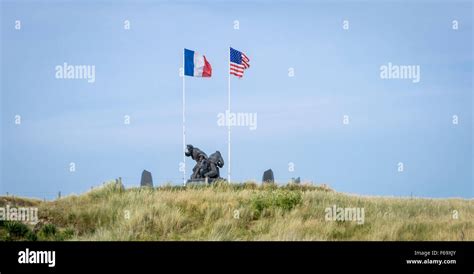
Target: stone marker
<point>147,180</point>
<point>268,177</point>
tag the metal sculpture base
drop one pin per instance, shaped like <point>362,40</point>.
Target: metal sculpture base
<point>203,181</point>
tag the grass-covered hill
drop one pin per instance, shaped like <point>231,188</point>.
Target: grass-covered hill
<point>237,212</point>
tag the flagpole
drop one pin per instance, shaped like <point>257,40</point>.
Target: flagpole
<point>228,122</point>
<point>184,123</point>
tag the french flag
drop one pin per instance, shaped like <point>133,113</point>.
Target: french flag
<point>196,65</point>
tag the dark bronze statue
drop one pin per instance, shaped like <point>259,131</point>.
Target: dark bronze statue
<point>206,167</point>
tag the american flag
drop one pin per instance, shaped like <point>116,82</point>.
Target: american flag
<point>238,62</point>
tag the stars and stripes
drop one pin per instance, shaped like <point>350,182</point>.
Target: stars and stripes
<point>238,62</point>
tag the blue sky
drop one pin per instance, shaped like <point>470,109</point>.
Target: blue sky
<point>299,118</point>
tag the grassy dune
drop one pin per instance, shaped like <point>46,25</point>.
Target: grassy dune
<point>238,212</point>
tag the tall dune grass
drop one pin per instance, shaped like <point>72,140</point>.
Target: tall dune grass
<point>251,212</point>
